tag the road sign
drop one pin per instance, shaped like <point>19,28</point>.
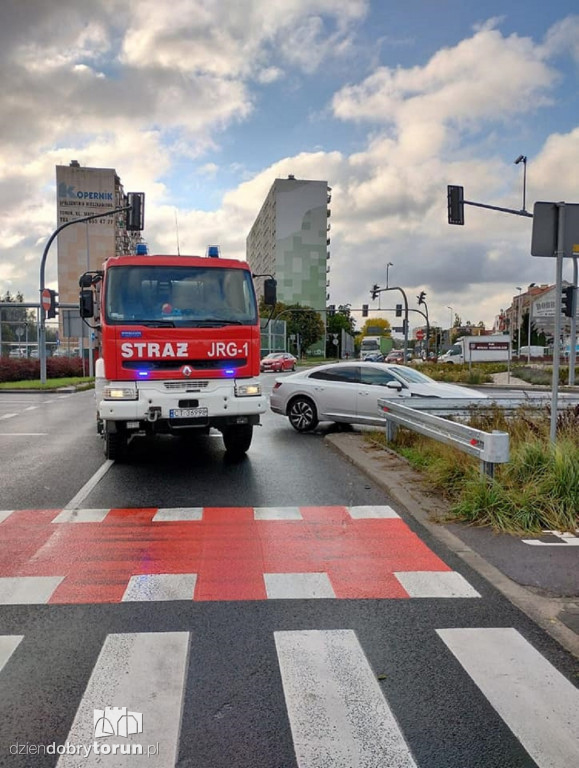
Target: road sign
<point>544,238</point>
<point>419,334</point>
<point>46,299</point>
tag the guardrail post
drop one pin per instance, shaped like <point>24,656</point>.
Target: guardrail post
<point>391,430</point>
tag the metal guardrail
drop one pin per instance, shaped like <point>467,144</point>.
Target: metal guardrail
<point>490,447</point>
<point>464,407</point>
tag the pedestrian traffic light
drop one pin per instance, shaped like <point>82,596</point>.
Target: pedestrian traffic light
<point>455,205</point>
<point>399,310</point>
<point>421,298</point>
<point>375,291</point>
<point>364,310</point>
<point>331,310</point>
<point>569,301</point>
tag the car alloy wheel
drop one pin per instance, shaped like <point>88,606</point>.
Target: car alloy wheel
<point>302,414</point>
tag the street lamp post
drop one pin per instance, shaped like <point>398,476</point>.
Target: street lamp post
<point>387,268</point>
<point>450,326</point>
<point>523,159</point>
<point>519,323</point>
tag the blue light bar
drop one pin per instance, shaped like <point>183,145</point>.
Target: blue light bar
<point>213,251</point>
<point>143,373</point>
<point>230,371</point>
<point>141,249</point>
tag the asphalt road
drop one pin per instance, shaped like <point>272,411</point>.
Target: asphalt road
<point>327,627</point>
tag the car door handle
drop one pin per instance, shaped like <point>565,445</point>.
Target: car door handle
<point>364,393</point>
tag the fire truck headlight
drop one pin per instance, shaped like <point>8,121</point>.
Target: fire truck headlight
<point>126,392</point>
<point>247,390</point>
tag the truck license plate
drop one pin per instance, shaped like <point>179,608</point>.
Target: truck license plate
<point>188,413</point>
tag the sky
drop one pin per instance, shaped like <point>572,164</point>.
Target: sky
<point>201,104</point>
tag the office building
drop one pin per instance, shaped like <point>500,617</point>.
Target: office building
<point>290,240</point>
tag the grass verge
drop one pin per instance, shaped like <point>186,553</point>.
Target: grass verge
<point>537,490</point>
<point>80,382</point>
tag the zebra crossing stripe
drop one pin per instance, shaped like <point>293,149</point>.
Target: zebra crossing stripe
<point>297,586</point>
<point>539,705</point>
<point>160,586</point>
<point>435,584</point>
<point>27,590</point>
<point>8,644</point>
<point>338,715</point>
<point>4,514</point>
<point>81,516</point>
<point>144,673</point>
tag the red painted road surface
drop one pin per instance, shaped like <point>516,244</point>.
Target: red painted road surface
<point>227,549</point>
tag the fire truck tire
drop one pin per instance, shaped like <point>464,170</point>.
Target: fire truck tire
<point>237,439</point>
<point>115,445</point>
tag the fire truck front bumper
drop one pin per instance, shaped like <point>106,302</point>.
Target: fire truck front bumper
<point>182,404</point>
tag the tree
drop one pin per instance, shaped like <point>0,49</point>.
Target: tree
<point>375,323</point>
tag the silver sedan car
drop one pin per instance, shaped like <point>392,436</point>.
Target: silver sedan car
<point>349,392</point>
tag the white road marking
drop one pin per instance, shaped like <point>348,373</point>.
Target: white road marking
<point>4,514</point>
<point>145,673</point>
<point>178,514</point>
<point>27,590</point>
<point>23,434</point>
<point>78,500</point>
<point>160,586</point>
<point>8,416</point>
<point>81,516</point>
<point>564,537</point>
<point>540,706</point>
<point>337,712</point>
<point>435,584</point>
<point>297,586</point>
<point>8,644</point>
<point>277,513</point>
<point>371,512</point>
<point>32,408</point>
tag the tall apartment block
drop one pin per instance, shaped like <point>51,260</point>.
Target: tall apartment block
<point>289,239</point>
<point>85,246</point>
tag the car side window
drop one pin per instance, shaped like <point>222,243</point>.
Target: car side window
<point>349,374</point>
<point>376,377</point>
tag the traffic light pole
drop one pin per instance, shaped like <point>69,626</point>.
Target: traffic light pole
<point>405,323</point>
<point>42,328</point>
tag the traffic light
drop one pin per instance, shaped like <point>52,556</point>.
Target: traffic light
<point>364,310</point>
<point>569,301</point>
<point>455,205</point>
<point>405,326</point>
<point>375,291</point>
<point>135,218</point>
<point>399,310</point>
<point>421,298</point>
<point>331,310</point>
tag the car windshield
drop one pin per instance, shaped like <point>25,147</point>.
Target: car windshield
<point>411,376</point>
<point>179,296</point>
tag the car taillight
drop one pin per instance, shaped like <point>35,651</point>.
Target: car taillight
<point>277,385</point>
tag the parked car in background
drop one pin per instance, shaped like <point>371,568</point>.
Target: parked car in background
<point>374,357</point>
<point>278,361</point>
<point>349,392</point>
<point>395,356</point>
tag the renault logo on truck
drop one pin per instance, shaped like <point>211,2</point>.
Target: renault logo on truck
<point>186,370</point>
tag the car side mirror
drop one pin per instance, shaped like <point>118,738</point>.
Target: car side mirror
<point>270,292</point>
<point>394,385</point>
<point>86,304</point>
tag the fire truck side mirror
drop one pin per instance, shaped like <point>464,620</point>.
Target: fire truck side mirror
<point>86,303</point>
<point>270,292</point>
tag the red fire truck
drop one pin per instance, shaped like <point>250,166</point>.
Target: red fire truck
<point>179,345</point>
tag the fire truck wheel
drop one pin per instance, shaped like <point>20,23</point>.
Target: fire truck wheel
<point>115,445</point>
<point>237,439</point>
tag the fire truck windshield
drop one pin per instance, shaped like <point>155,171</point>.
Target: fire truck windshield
<point>179,296</point>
